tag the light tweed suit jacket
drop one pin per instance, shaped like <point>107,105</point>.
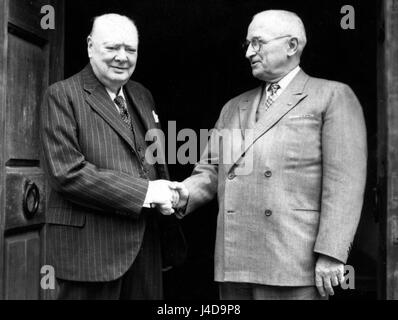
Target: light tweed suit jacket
<point>304,193</point>
<point>95,218</point>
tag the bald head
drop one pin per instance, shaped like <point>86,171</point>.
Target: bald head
<point>277,39</point>
<point>114,21</point>
<point>281,22</point>
<point>113,49</point>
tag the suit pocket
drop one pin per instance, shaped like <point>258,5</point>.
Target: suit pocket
<point>66,217</point>
<point>306,218</point>
<point>300,137</point>
<point>304,116</point>
<point>304,224</point>
<point>302,130</point>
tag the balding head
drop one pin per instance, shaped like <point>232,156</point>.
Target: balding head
<point>113,49</point>
<point>114,21</point>
<point>281,22</point>
<point>277,41</point>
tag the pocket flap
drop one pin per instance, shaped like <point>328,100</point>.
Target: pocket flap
<point>65,216</point>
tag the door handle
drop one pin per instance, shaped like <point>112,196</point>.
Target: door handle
<point>31,199</point>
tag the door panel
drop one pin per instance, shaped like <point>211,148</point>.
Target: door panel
<point>27,77</point>
<point>31,58</point>
<point>22,265</point>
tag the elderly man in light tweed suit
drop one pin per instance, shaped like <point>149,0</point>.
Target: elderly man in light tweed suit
<point>285,228</point>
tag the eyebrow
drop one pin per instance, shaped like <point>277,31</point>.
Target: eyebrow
<point>258,38</point>
<point>116,44</point>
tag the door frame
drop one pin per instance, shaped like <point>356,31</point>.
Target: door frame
<point>388,148</point>
<point>3,77</point>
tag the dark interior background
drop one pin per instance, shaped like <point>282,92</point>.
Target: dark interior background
<point>191,59</point>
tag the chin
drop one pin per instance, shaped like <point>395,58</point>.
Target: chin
<point>262,76</point>
<point>257,74</point>
<point>120,77</point>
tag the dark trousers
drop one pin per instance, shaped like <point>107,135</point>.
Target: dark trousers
<point>143,280</point>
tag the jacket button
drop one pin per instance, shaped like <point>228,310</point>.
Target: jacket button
<point>231,176</point>
<point>268,174</point>
<point>268,213</point>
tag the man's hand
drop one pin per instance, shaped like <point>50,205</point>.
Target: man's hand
<point>180,199</point>
<point>183,199</point>
<point>161,195</point>
<point>329,273</point>
<point>179,202</point>
<point>183,194</point>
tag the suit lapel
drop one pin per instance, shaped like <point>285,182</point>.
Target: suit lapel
<point>99,101</point>
<point>144,110</point>
<point>247,110</point>
<point>289,99</point>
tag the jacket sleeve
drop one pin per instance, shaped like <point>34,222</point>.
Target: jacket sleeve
<point>203,183</point>
<point>70,174</point>
<point>344,157</point>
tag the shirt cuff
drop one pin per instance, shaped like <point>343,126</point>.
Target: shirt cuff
<point>147,201</point>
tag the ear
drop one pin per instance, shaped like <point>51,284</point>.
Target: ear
<point>89,46</point>
<point>293,45</point>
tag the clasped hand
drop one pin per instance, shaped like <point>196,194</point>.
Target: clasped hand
<point>167,196</point>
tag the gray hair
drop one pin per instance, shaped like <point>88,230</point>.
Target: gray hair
<point>288,23</point>
<point>111,16</point>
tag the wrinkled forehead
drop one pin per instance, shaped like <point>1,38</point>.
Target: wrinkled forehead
<point>264,28</point>
<point>115,31</point>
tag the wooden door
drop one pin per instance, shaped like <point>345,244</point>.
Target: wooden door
<point>30,59</point>
<point>388,146</point>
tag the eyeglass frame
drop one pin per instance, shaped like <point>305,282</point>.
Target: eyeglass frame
<point>261,42</point>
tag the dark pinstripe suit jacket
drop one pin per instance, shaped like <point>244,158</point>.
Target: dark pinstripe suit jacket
<point>95,215</point>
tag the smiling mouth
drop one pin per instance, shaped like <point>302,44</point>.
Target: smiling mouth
<point>119,68</point>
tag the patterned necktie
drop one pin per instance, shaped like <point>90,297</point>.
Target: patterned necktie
<point>124,114</point>
<point>264,106</point>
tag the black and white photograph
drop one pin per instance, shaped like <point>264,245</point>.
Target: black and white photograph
<point>199,150</point>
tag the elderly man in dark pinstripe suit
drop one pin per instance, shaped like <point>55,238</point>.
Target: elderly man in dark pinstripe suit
<point>103,236</point>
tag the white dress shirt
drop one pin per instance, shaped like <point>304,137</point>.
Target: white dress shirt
<point>284,82</point>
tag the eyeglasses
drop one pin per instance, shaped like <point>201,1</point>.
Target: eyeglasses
<point>257,43</point>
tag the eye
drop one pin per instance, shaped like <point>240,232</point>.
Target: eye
<point>110,48</point>
<point>255,41</point>
<point>131,50</point>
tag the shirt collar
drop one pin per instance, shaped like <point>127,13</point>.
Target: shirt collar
<point>284,82</point>
<point>113,95</point>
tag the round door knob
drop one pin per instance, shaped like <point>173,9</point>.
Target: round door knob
<point>31,199</point>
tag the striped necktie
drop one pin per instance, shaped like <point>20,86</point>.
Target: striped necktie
<point>271,96</point>
<point>124,114</point>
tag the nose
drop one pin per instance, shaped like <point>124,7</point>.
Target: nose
<point>121,55</point>
<point>250,52</point>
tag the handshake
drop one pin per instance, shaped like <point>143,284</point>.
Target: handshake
<point>166,196</point>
